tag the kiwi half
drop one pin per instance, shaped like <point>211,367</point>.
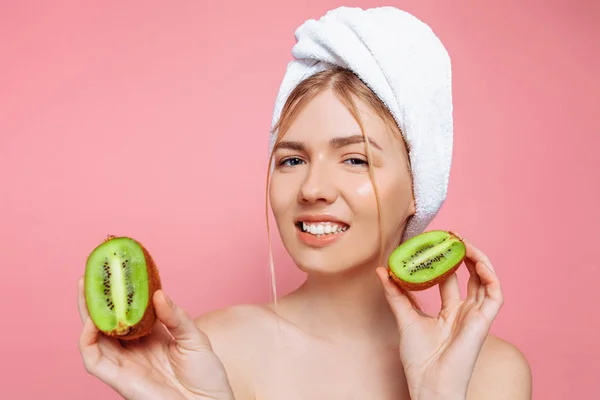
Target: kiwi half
<point>426,259</point>
<point>120,280</point>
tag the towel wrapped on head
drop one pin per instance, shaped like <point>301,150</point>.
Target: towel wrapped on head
<point>405,64</point>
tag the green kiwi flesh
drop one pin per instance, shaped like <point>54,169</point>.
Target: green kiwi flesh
<point>120,279</point>
<point>426,259</point>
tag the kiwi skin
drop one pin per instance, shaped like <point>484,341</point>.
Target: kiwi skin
<point>418,286</point>
<point>145,325</point>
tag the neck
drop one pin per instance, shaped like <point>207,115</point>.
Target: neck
<point>344,307</point>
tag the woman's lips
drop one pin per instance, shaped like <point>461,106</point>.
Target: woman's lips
<point>320,233</point>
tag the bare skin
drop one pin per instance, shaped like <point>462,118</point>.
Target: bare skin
<point>336,337</point>
<point>348,332</point>
<point>262,366</point>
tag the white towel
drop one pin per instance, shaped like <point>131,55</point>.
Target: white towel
<point>406,65</point>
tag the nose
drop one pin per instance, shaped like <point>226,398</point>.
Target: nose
<point>318,186</point>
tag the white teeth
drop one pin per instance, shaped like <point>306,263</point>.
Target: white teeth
<point>322,228</point>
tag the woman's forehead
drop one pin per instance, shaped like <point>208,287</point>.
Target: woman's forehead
<point>328,121</point>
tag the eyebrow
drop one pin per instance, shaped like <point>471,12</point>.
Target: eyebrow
<point>337,143</point>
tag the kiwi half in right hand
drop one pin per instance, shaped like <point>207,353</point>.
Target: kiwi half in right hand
<point>426,260</point>
<point>120,280</point>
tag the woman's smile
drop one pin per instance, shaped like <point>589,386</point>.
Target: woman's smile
<point>320,230</point>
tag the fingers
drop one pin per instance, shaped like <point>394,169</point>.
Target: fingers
<point>180,324</point>
<point>83,312</point>
<point>475,291</point>
<point>476,255</point>
<point>100,355</point>
<point>477,317</point>
<point>403,308</point>
<point>494,298</point>
<point>95,362</point>
<point>449,290</point>
<point>88,344</point>
<point>489,291</point>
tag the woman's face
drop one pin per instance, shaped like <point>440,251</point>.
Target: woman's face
<point>321,192</point>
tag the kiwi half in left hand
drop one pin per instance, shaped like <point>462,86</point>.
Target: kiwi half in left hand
<point>426,259</point>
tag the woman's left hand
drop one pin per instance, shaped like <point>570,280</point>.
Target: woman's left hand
<point>439,353</point>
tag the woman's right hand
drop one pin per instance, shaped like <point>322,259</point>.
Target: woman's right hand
<point>174,362</point>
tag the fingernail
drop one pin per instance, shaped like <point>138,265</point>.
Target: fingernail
<point>460,237</point>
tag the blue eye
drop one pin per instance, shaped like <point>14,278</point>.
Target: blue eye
<point>294,161</point>
<point>356,161</point>
<point>290,161</point>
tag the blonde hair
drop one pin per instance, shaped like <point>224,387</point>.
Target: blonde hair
<point>347,86</point>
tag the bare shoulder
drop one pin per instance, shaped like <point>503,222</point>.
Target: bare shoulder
<point>237,336</point>
<point>501,373</point>
<point>237,329</point>
<point>233,321</point>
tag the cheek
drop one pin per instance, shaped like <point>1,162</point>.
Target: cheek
<point>394,198</point>
<point>274,198</point>
<point>281,194</point>
<point>396,202</point>
<point>362,200</point>
<point>365,190</point>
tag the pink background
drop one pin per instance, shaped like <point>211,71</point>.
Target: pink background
<point>151,120</point>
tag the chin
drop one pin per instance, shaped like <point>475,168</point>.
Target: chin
<point>340,256</point>
<point>317,263</point>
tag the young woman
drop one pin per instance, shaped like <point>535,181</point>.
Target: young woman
<point>341,192</point>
